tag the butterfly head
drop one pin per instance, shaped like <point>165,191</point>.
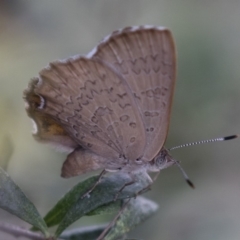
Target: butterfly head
<point>161,161</point>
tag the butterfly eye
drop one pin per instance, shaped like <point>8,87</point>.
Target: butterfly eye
<point>160,160</point>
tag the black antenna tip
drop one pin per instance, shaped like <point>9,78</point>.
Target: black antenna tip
<point>190,183</point>
<point>230,137</point>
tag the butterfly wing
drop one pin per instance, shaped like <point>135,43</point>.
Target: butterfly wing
<point>94,106</point>
<point>46,129</point>
<point>146,58</point>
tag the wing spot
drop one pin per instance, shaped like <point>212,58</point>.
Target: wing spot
<point>151,114</point>
<point>101,111</point>
<point>122,95</point>
<point>89,145</point>
<point>136,96</point>
<point>155,93</point>
<point>110,128</point>
<point>70,102</point>
<point>132,139</point>
<point>103,77</point>
<point>125,105</point>
<point>150,129</point>
<point>94,119</point>
<point>85,103</point>
<point>135,68</point>
<point>132,124</point>
<point>124,118</point>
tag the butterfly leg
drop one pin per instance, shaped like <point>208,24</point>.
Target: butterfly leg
<point>143,178</point>
<point>121,189</point>
<point>148,187</point>
<point>95,184</point>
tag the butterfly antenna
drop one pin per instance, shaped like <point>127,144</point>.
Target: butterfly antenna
<point>189,182</point>
<point>205,141</point>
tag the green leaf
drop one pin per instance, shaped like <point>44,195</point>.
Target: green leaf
<point>6,151</point>
<point>14,201</point>
<point>104,193</point>
<point>106,209</point>
<point>57,213</point>
<point>137,211</point>
<point>84,233</point>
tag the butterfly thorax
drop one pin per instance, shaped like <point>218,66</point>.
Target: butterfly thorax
<point>161,161</point>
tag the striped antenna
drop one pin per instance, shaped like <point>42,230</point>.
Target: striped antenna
<point>189,182</point>
<point>205,141</point>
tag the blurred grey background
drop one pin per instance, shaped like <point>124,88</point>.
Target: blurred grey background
<point>206,105</point>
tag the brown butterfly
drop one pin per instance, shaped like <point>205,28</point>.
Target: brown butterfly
<point>111,108</point>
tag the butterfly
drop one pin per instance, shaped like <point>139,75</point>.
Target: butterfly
<point>111,108</point>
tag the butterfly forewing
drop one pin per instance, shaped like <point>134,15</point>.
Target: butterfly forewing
<point>95,106</point>
<point>145,57</point>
